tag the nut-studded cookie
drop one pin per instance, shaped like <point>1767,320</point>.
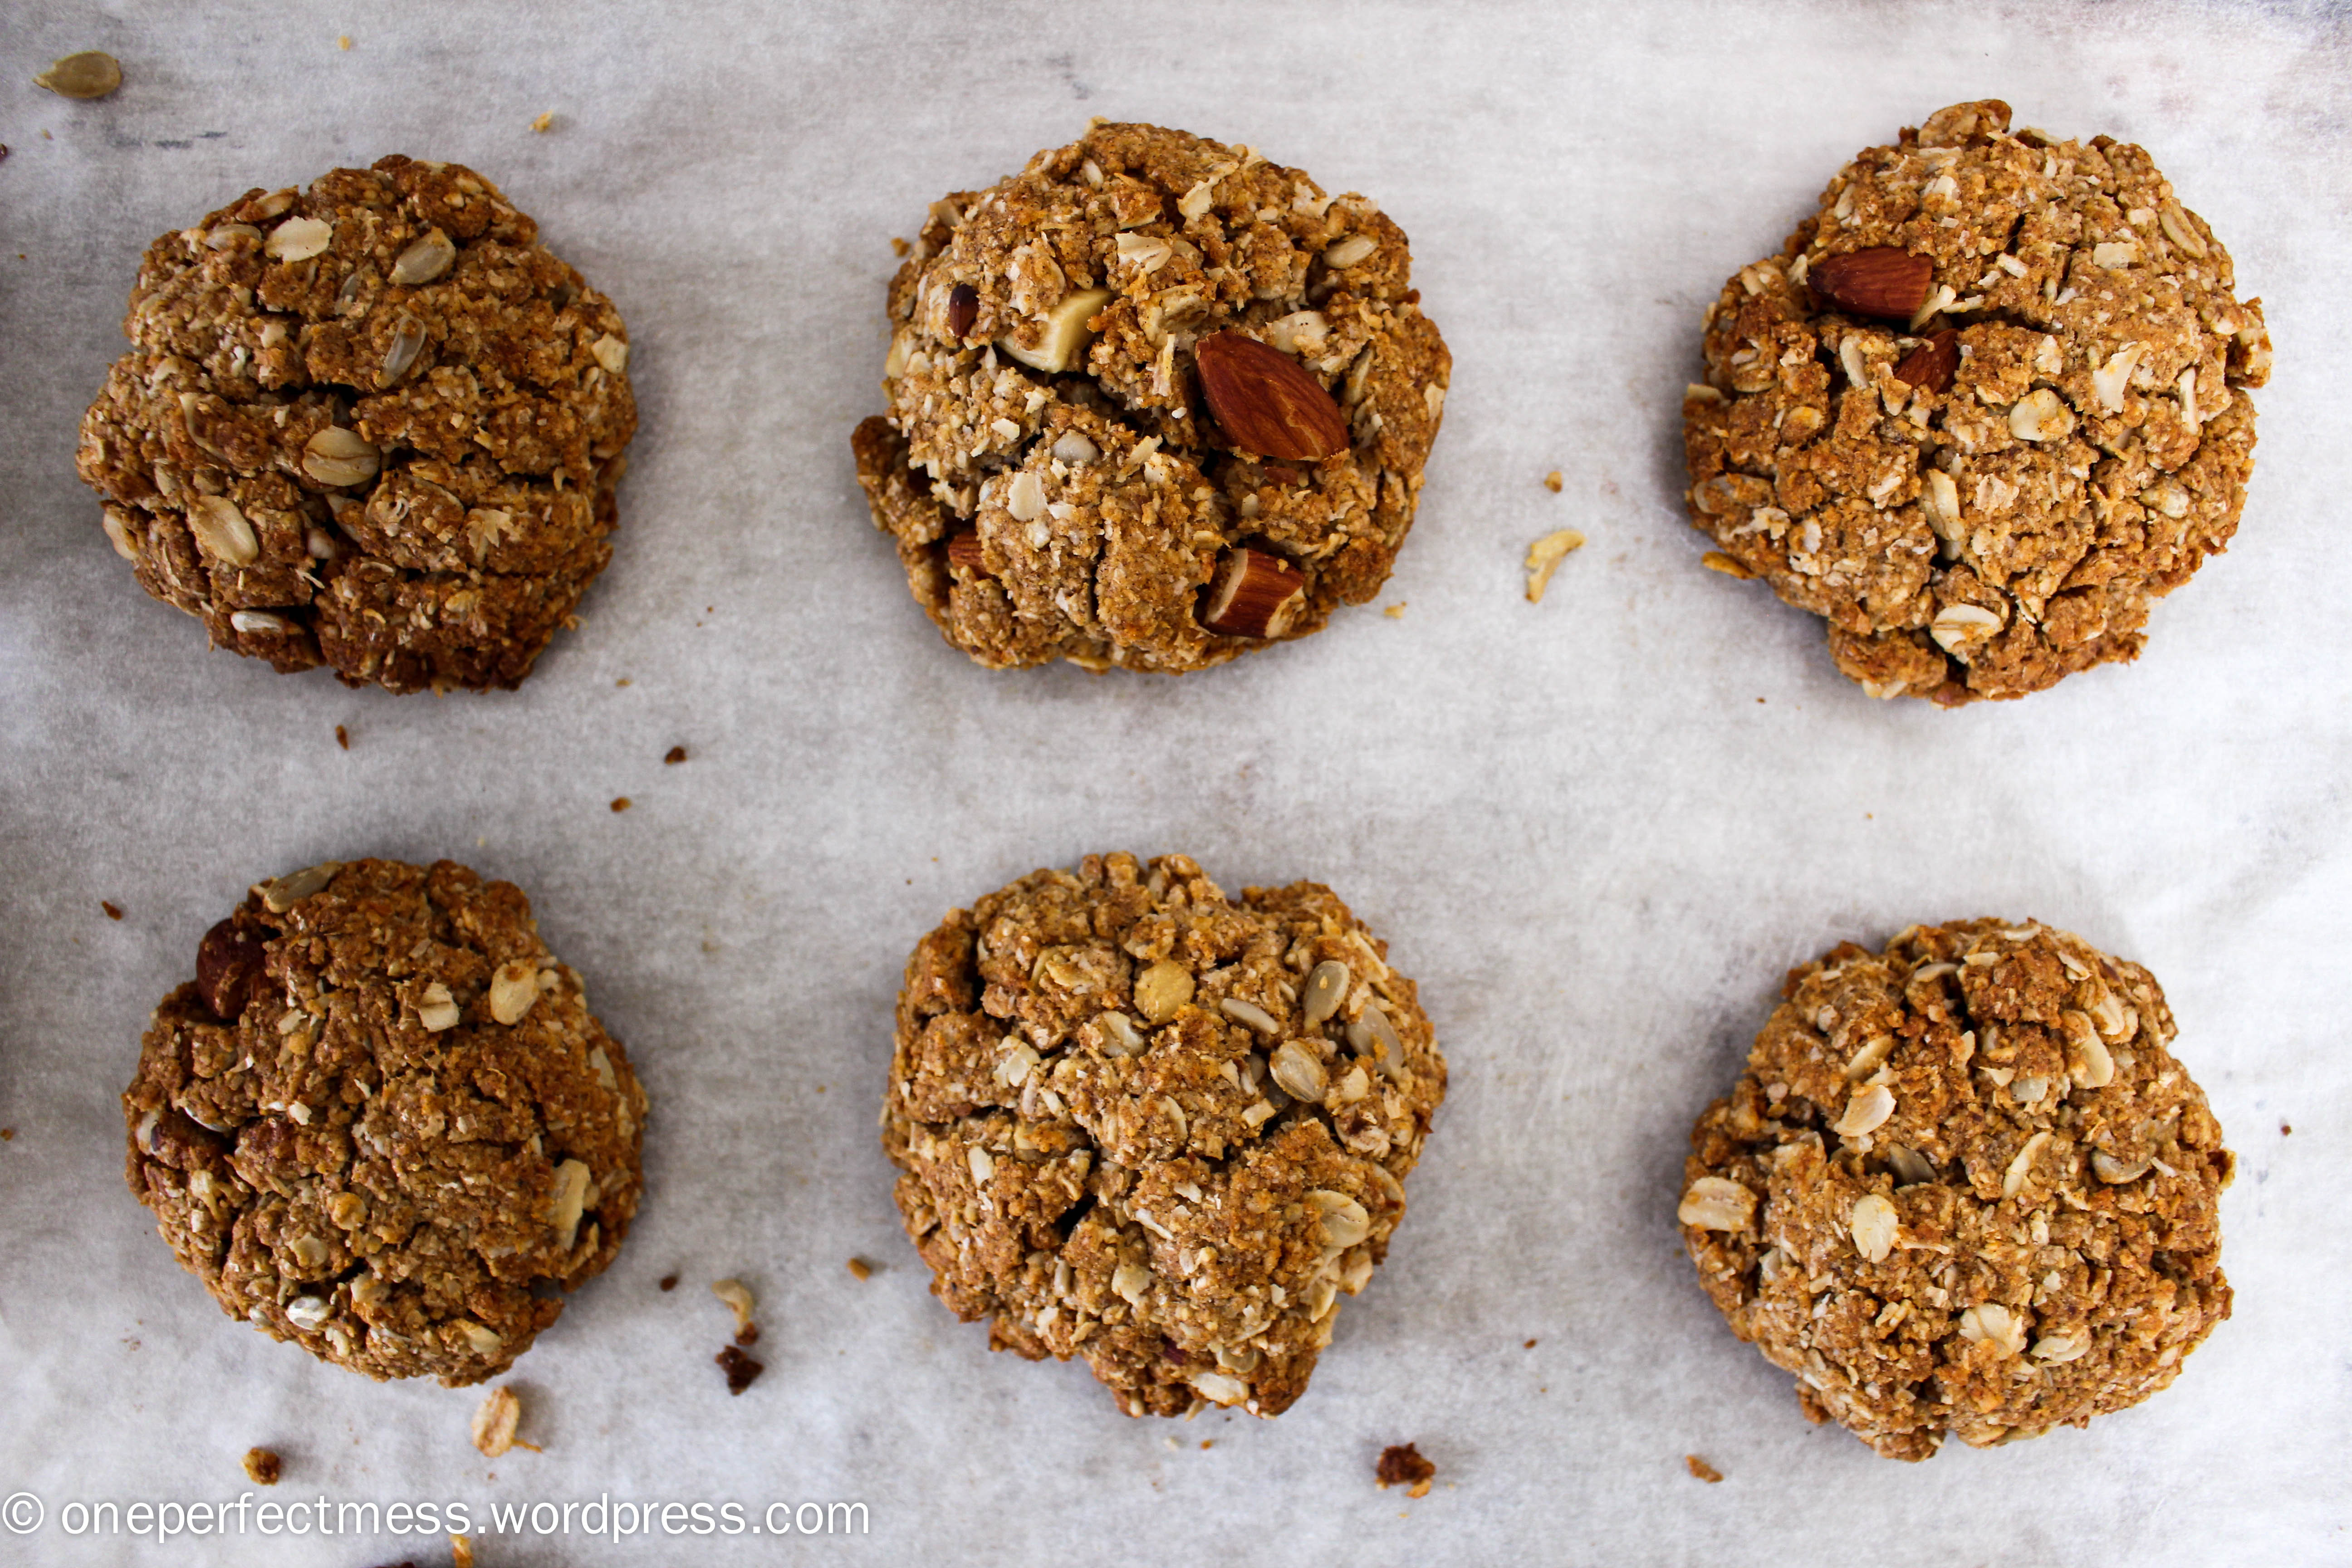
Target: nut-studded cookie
<point>1986,405</point>
<point>373,424</point>
<point>382,1123</point>
<point>1163,1130</point>
<point>1154,401</point>
<point>1963,1187</point>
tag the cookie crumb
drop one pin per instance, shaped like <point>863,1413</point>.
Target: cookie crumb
<point>342,738</point>
<point>1528,1346</point>
<point>675,755</point>
<point>544,121</point>
<point>263,1468</point>
<point>494,1422</point>
<point>620,803</point>
<point>1402,1465</point>
<point>343,42</point>
<point>1545,556</point>
<point>1396,611</point>
<point>461,1550</point>
<point>1207,1443</point>
<point>899,247</point>
<point>860,1269</point>
<point>622,681</point>
<point>740,1369</point>
<point>7,1134</point>
<point>1554,481</point>
<point>112,912</point>
<point>1702,1469</point>
<point>737,1298</point>
<point>2284,1130</point>
<point>669,1281</point>
<point>1716,560</point>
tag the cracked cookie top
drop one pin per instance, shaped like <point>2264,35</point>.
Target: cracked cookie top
<point>373,424</point>
<point>1158,1129</point>
<point>1963,1187</point>
<point>1154,401</point>
<point>1986,405</point>
<point>382,1123</point>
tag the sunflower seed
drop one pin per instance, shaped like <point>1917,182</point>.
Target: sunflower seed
<point>1350,251</point>
<point>1371,1035</point>
<point>1249,1013</point>
<point>570,1198</point>
<point>282,893</point>
<point>2114,1172</point>
<point>1327,987</point>
<point>223,531</point>
<point>258,622</point>
<point>408,342</point>
<point>1909,1163</point>
<point>300,239</point>
<point>89,74</point>
<point>1299,1073</point>
<point>338,457</point>
<point>308,1311</point>
<point>424,261</point>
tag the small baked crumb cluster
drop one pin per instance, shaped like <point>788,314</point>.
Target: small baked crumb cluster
<point>382,1121</point>
<point>1985,405</point>
<point>1963,1188</point>
<point>1158,1129</point>
<point>373,424</point>
<point>1147,360</point>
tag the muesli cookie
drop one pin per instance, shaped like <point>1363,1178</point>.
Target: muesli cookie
<point>374,425</point>
<point>1963,1187</point>
<point>1155,1128</point>
<point>1986,405</point>
<point>382,1123</point>
<point>1154,401</point>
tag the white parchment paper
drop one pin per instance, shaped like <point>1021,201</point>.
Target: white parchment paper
<point>1596,830</point>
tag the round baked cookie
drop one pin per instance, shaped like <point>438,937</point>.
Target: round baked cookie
<point>1963,1188</point>
<point>373,424</point>
<point>1158,1129</point>
<point>382,1123</point>
<point>1154,401</point>
<point>1985,405</point>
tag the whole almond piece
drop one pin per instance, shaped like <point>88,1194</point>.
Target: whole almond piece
<point>1883,281</point>
<point>228,967</point>
<point>1933,363</point>
<point>963,550</point>
<point>1266,403</point>
<point>1253,595</point>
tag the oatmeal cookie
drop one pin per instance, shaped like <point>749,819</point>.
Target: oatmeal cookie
<point>1161,1130</point>
<point>382,1123</point>
<point>1963,1188</point>
<point>375,425</point>
<point>1154,401</point>
<point>1985,405</point>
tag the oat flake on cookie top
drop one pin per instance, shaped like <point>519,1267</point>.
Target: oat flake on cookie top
<point>1154,401</point>
<point>1986,405</point>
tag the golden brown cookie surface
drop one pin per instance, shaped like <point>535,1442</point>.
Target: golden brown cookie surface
<point>373,424</point>
<point>1987,404</point>
<point>1963,1187</point>
<point>381,1116</point>
<point>1156,1129</point>
<point>1154,401</point>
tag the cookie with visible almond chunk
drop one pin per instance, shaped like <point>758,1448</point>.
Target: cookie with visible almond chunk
<point>1963,1188</point>
<point>1987,405</point>
<point>373,424</point>
<point>1154,401</point>
<point>1155,1128</point>
<point>382,1123</point>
